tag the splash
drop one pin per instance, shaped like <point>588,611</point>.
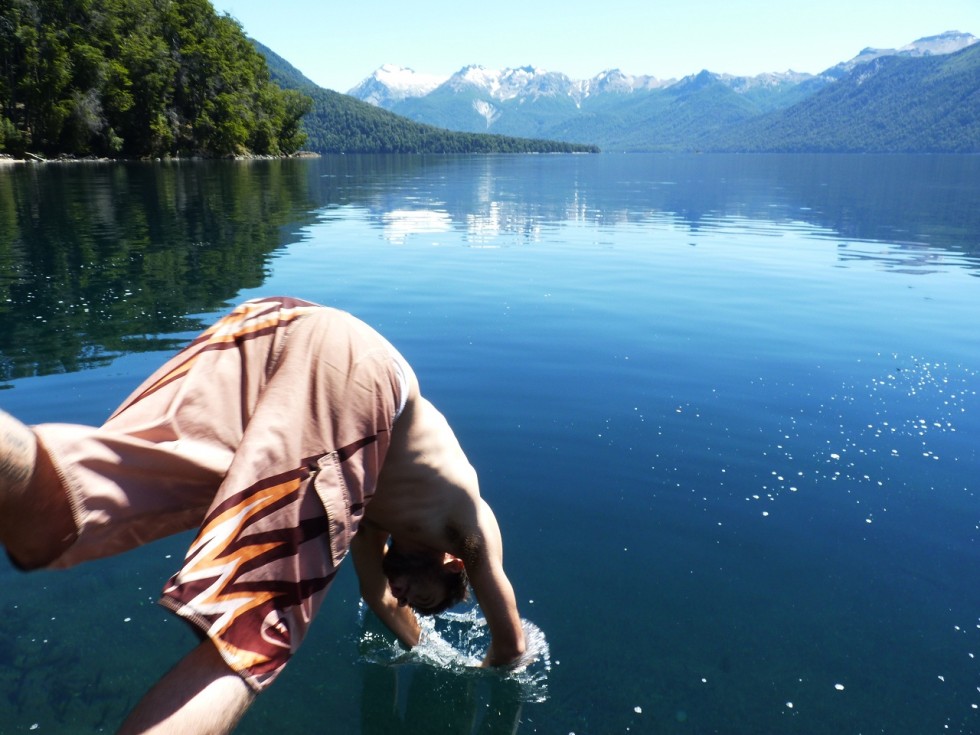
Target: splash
<point>457,642</point>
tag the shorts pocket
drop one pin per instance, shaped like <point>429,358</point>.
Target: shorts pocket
<point>331,488</point>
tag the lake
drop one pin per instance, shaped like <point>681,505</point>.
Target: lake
<point>724,407</point>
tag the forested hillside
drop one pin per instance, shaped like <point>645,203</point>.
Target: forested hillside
<point>338,123</point>
<point>137,78</point>
<point>156,78</point>
<point>669,119</point>
<point>892,104</point>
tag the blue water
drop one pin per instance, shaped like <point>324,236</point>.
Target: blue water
<point>725,409</point>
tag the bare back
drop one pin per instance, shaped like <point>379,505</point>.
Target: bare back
<point>427,492</point>
<point>428,495</point>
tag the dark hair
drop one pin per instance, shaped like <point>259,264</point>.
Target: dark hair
<point>457,586</point>
<point>456,583</point>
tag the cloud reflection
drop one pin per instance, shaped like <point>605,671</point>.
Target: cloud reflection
<point>399,224</point>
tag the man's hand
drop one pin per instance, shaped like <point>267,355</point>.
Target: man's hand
<point>510,660</point>
<point>368,550</point>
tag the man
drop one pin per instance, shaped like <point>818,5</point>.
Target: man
<point>288,433</point>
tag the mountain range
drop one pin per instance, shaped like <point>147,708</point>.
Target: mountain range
<point>922,97</point>
<point>339,123</point>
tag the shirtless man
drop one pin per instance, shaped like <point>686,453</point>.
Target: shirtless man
<point>289,433</point>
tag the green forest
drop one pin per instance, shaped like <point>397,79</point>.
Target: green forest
<point>137,78</point>
<point>893,104</point>
<point>173,78</point>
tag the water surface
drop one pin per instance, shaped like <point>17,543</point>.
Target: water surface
<point>724,407</point>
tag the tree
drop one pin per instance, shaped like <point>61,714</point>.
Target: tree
<point>137,78</point>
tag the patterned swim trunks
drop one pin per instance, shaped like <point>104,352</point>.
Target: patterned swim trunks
<point>267,433</point>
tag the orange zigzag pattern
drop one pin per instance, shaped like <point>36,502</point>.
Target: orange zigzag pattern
<point>212,561</point>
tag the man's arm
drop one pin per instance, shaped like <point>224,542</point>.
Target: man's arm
<point>199,696</point>
<point>437,495</point>
<point>482,554</point>
<point>368,548</point>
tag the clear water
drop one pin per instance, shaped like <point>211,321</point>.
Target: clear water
<point>725,409</point>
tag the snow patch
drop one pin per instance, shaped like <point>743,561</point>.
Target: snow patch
<point>477,76</point>
<point>945,43</point>
<point>407,81</point>
<point>487,111</point>
<point>392,83</point>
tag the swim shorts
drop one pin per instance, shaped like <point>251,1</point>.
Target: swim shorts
<point>267,433</point>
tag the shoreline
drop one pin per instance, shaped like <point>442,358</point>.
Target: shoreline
<point>7,160</point>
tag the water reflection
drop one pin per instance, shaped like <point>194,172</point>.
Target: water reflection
<point>779,425</point>
<point>97,260</point>
<point>925,200</point>
<point>400,223</point>
<point>900,257</point>
<point>425,700</point>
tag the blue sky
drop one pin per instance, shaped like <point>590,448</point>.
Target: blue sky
<point>337,44</point>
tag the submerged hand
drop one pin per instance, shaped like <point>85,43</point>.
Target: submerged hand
<point>511,659</point>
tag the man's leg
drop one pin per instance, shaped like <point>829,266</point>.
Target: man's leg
<point>36,522</point>
<point>199,696</point>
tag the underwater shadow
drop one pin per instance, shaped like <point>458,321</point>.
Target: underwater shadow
<point>422,700</point>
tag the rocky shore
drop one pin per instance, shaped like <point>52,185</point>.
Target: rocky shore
<point>7,159</point>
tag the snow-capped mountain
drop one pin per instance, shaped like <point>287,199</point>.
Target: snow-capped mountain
<point>617,82</point>
<point>392,83</point>
<point>769,80</point>
<point>945,43</point>
<point>507,84</point>
<point>532,102</point>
